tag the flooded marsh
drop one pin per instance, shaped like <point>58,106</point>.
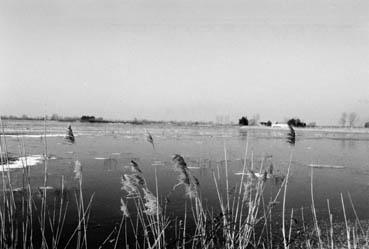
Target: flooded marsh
<point>212,166</point>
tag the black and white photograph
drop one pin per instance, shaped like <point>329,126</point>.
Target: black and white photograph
<point>184,124</point>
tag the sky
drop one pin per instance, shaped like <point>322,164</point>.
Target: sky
<point>185,59</point>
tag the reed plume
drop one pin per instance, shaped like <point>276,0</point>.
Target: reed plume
<point>150,139</point>
<point>291,136</point>
<point>77,169</point>
<point>135,168</point>
<point>185,178</point>
<point>130,184</point>
<point>70,136</point>
<point>151,204</point>
<point>124,208</point>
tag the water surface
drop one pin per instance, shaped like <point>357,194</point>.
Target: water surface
<point>105,152</point>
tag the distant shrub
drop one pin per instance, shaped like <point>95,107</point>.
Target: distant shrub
<point>243,121</point>
<point>87,118</point>
<point>366,125</point>
<point>296,122</point>
<point>269,123</point>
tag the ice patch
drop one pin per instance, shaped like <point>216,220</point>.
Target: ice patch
<point>253,174</point>
<point>326,166</point>
<point>46,188</point>
<point>22,162</point>
<point>18,189</point>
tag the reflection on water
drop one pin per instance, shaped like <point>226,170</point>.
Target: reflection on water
<point>348,143</point>
<point>243,134</point>
<point>110,164</point>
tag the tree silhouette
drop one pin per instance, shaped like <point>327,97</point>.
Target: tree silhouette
<point>343,119</point>
<point>352,119</point>
<point>243,121</point>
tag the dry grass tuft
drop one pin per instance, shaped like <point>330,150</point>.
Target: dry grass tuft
<point>185,177</point>
<point>70,136</point>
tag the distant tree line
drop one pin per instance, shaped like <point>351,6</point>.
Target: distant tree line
<point>22,117</point>
<point>53,117</point>
<point>295,122</point>
<point>349,120</point>
<point>56,117</point>
<point>92,119</point>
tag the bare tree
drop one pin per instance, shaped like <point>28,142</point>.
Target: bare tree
<point>343,119</point>
<point>255,119</point>
<point>54,117</point>
<point>352,119</point>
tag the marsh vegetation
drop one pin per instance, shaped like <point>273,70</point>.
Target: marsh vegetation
<point>119,188</point>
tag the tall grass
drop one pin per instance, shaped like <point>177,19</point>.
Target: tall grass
<point>36,221</point>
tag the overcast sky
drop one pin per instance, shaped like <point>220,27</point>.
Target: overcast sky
<point>185,60</point>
